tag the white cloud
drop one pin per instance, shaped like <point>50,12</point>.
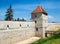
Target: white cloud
<point>50,17</point>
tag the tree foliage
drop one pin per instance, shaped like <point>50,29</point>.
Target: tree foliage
<point>9,14</point>
<point>18,19</point>
<point>22,19</point>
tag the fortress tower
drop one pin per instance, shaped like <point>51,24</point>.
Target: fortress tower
<point>39,16</point>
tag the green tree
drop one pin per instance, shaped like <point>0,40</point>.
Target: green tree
<point>18,19</point>
<point>22,19</point>
<point>9,14</point>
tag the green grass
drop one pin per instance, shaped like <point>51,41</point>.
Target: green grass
<point>55,39</point>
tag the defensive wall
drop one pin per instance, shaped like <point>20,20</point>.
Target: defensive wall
<point>16,31</point>
<point>53,26</point>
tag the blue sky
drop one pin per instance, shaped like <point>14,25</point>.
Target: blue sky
<point>23,8</point>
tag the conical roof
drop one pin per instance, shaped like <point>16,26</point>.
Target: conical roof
<point>39,9</point>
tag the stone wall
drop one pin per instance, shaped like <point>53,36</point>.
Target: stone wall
<point>17,31</point>
<point>53,26</point>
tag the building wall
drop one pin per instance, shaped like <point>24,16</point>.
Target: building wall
<point>44,24</point>
<point>15,32</point>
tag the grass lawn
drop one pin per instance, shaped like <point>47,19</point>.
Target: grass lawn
<point>55,39</point>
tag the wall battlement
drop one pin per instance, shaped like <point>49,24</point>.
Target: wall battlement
<point>16,24</point>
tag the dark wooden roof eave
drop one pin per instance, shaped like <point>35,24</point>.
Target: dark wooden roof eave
<point>40,12</point>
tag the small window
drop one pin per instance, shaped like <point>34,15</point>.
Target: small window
<point>35,21</point>
<point>28,25</point>
<point>7,25</point>
<point>20,25</point>
<point>36,29</point>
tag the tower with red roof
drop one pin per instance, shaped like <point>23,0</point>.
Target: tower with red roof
<point>39,16</point>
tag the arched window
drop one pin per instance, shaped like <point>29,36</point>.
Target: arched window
<point>20,25</point>
<point>35,16</point>
<point>35,21</point>
<point>46,35</point>
<point>36,29</point>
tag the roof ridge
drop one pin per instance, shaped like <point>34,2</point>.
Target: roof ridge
<point>39,9</point>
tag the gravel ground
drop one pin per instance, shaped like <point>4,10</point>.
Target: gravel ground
<point>28,40</point>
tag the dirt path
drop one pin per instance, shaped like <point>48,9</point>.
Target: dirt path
<point>28,40</point>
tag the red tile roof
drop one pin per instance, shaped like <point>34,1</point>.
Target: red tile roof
<point>39,9</point>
